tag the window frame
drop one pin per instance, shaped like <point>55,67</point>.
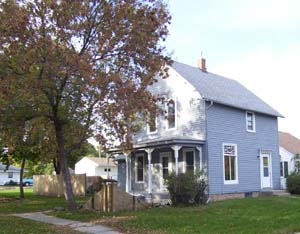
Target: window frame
<point>253,121</point>
<point>284,170</point>
<point>139,155</point>
<point>10,175</point>
<point>175,114</point>
<point>236,181</point>
<point>156,126</point>
<point>184,151</point>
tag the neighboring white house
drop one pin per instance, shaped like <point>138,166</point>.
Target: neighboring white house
<point>93,166</point>
<point>289,147</point>
<point>12,173</point>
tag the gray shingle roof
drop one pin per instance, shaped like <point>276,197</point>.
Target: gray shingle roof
<point>10,168</point>
<point>223,90</point>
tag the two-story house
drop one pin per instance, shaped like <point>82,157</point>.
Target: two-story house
<point>211,123</point>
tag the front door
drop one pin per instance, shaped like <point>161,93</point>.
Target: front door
<point>166,167</point>
<point>266,171</point>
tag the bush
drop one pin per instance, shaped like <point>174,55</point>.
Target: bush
<point>293,183</point>
<point>188,188</point>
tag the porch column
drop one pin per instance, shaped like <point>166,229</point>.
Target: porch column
<point>200,157</point>
<point>176,149</point>
<point>127,173</point>
<point>149,152</point>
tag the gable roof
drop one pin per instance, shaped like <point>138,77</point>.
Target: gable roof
<point>222,90</point>
<point>10,168</point>
<point>101,161</point>
<point>289,142</point>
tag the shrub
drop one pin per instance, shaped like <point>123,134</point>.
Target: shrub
<point>293,183</point>
<point>187,188</point>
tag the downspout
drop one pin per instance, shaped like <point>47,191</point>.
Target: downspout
<point>206,133</point>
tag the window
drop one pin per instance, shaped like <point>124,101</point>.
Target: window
<point>171,114</point>
<point>10,174</point>
<point>250,121</point>
<point>165,167</point>
<point>284,169</point>
<point>189,161</point>
<point>140,168</point>
<point>230,163</point>
<point>152,124</point>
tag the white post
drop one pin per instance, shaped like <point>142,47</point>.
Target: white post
<point>200,157</point>
<point>176,149</point>
<point>127,173</point>
<point>107,166</point>
<point>149,152</point>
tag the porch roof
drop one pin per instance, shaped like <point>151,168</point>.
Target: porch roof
<point>163,143</point>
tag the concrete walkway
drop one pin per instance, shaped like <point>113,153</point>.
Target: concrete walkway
<point>76,225</point>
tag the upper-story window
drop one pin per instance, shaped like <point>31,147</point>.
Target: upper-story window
<point>152,124</point>
<point>250,121</point>
<point>230,163</point>
<point>171,114</point>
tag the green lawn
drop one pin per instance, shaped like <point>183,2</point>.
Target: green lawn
<point>31,202</point>
<point>9,203</point>
<point>252,215</point>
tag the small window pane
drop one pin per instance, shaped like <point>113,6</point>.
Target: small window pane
<point>266,171</point>
<point>140,168</point>
<point>286,169</point>
<point>266,161</point>
<point>189,161</point>
<point>227,171</point>
<point>171,114</point>
<point>232,167</point>
<point>281,169</point>
<point>152,122</point>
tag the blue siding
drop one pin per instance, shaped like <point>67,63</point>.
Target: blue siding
<point>227,125</point>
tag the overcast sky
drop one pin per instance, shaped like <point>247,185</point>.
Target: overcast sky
<point>256,42</point>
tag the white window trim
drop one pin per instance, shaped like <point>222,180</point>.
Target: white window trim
<point>236,181</point>
<point>136,165</point>
<point>167,121</point>
<point>254,124</point>
<point>148,127</point>
<point>184,151</point>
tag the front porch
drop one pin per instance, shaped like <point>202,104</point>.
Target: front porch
<point>146,168</point>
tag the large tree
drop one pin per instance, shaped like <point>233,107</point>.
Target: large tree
<point>84,66</point>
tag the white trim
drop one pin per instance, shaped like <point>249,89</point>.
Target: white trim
<point>175,103</point>
<point>254,124</point>
<point>184,151</point>
<point>138,155</point>
<point>148,127</point>
<point>236,181</point>
<point>269,153</point>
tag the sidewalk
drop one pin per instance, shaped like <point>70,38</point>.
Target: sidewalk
<point>76,225</point>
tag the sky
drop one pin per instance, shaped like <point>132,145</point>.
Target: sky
<point>256,42</point>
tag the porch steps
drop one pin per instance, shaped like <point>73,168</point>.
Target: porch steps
<point>280,193</point>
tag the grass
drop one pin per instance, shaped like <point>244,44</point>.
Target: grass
<point>10,203</point>
<point>253,215</point>
<point>31,202</point>
<point>16,225</point>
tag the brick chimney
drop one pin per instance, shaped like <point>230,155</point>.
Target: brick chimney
<point>202,64</point>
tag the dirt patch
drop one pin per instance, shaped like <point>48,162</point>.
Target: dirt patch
<point>112,220</point>
<point>8,199</point>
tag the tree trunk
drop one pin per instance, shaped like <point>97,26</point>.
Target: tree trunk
<point>21,176</point>
<point>69,195</point>
<point>56,166</point>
